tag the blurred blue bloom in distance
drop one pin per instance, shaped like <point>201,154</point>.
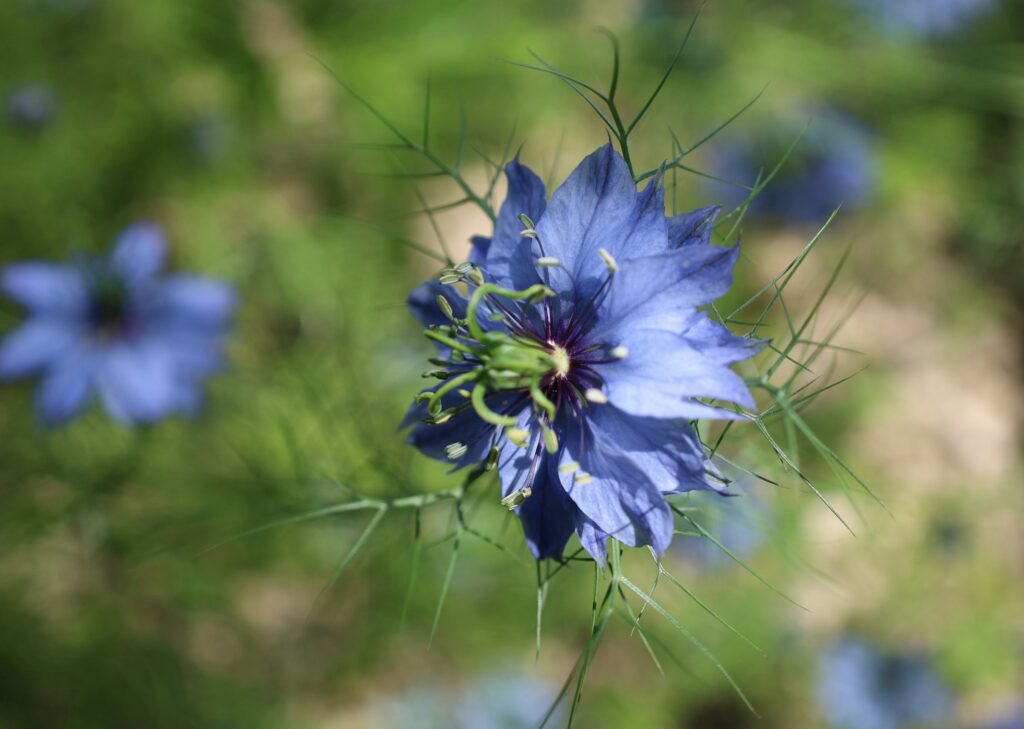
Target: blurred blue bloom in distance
<point>507,700</point>
<point>861,687</point>
<point>31,107</point>
<point>833,163</point>
<point>579,356</point>
<point>926,18</point>
<point>738,523</point>
<point>114,327</point>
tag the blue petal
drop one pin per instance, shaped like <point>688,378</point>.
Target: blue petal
<point>194,302</point>
<point>422,303</point>
<point>136,382</point>
<point>619,497</point>
<point>35,345</point>
<point>592,539</point>
<point>548,516</point>
<point>479,246</point>
<point>139,252</point>
<point>662,291</point>
<point>193,354</point>
<point>667,451</point>
<point>510,259</point>
<point>720,345</point>
<point>692,228</point>
<point>598,207</point>
<point>46,288</point>
<point>466,427</point>
<point>662,375</point>
<point>65,388</point>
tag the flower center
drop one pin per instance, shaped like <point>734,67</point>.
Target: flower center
<point>560,358</point>
<point>108,308</point>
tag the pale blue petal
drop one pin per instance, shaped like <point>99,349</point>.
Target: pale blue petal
<point>35,345</point>
<point>139,253</point>
<point>137,382</point>
<point>667,451</point>
<point>47,288</point>
<point>619,498</point>
<point>663,373</point>
<point>66,387</point>
<point>194,302</point>
<point>592,539</point>
<point>720,345</point>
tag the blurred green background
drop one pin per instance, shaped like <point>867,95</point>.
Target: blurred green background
<point>216,120</point>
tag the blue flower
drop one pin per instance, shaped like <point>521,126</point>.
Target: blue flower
<point>579,354</point>
<point>114,327</point>
<point>928,18</point>
<point>31,107</point>
<point>832,164</point>
<point>863,688</point>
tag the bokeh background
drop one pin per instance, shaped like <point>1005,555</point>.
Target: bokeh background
<point>216,120</point>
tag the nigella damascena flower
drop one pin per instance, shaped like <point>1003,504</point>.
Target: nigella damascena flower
<point>113,326</point>
<point>579,354</point>
<point>861,687</point>
<point>927,18</point>
<point>833,163</point>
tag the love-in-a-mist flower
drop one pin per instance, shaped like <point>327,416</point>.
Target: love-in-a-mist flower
<point>576,356</point>
<point>832,164</point>
<point>861,687</point>
<point>928,18</point>
<point>114,327</point>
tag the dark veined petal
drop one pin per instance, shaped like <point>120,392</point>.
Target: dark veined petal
<point>46,288</point>
<point>598,207</point>
<point>136,382</point>
<point>510,260</point>
<point>548,516</point>
<point>667,451</point>
<point>692,228</point>
<point>66,387</point>
<point>35,345</point>
<point>139,252</point>
<point>663,373</point>
<point>616,495</point>
<point>466,427</point>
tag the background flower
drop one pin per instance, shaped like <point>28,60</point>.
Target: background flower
<point>832,164</point>
<point>115,328</point>
<point>861,687</point>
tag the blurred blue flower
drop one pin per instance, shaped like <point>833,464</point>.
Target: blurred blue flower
<point>114,327</point>
<point>929,18</point>
<point>739,523</point>
<point>506,700</point>
<point>576,364</point>
<point>31,107</point>
<point>861,687</point>
<point>832,164</point>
